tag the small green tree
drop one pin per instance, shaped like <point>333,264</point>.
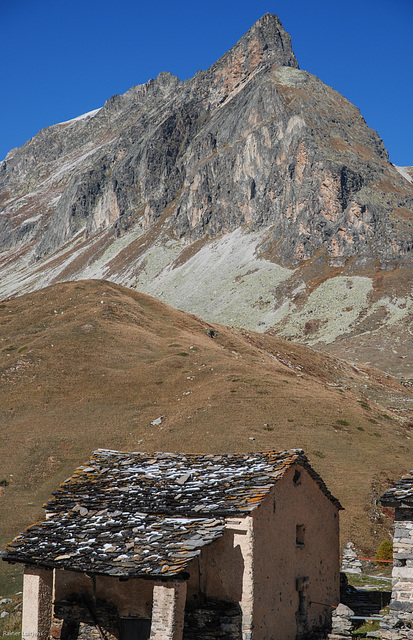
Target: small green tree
<point>384,552</point>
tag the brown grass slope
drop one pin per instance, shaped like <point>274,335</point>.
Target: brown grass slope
<point>92,364</point>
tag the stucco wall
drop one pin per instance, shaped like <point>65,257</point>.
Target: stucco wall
<point>227,561</point>
<point>133,598</point>
<point>193,585</point>
<point>282,568</point>
<point>228,570</point>
<point>267,583</point>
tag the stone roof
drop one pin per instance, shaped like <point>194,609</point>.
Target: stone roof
<point>401,495</point>
<point>115,543</point>
<point>134,514</point>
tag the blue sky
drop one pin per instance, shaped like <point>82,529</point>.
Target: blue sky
<point>62,58</point>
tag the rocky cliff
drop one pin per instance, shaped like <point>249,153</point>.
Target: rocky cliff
<point>250,194</point>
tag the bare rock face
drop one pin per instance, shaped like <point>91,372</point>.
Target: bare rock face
<point>251,146</point>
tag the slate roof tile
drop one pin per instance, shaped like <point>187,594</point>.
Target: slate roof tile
<point>401,495</point>
<point>134,514</point>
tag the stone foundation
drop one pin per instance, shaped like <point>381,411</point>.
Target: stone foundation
<point>214,619</point>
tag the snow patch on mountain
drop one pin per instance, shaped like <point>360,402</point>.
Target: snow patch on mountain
<point>405,173</point>
<point>89,114</point>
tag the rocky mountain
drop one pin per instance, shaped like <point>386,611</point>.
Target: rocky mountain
<point>251,194</point>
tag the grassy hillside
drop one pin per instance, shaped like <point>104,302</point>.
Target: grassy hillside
<point>92,364</point>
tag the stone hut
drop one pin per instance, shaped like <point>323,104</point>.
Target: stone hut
<point>170,546</point>
<point>401,498</point>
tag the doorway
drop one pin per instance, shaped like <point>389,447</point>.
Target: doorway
<point>135,628</point>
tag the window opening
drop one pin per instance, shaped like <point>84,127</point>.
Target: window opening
<point>300,535</point>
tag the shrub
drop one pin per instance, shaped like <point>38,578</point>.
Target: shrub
<point>384,551</point>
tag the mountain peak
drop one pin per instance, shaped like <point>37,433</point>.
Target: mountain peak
<point>266,41</point>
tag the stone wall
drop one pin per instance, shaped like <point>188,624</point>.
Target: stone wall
<point>214,619</point>
<point>341,624</point>
<point>401,604</point>
<point>350,562</point>
<point>79,618</point>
